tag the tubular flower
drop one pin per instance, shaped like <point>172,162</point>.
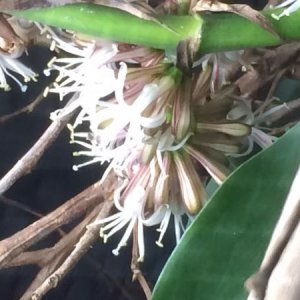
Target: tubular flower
<point>258,122</point>
<point>162,132</point>
<point>86,73</point>
<point>130,214</point>
<point>291,6</point>
<point>9,66</point>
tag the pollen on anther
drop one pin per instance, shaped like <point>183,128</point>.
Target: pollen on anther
<point>105,238</point>
<point>159,244</point>
<point>52,45</point>
<point>46,92</point>
<point>52,60</point>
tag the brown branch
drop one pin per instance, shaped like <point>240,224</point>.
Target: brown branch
<point>88,238</point>
<point>20,206</point>
<point>267,67</point>
<point>37,257</point>
<point>271,92</point>
<point>290,108</point>
<point>58,254</point>
<point>25,208</point>
<point>45,257</point>
<point>135,266</point>
<point>143,283</point>
<point>56,261</point>
<point>26,109</point>
<point>30,159</point>
<point>75,207</point>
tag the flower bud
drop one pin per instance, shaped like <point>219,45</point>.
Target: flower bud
<point>148,152</point>
<point>161,194</point>
<point>234,128</point>
<point>217,141</point>
<point>182,111</point>
<point>192,191</point>
<point>215,168</point>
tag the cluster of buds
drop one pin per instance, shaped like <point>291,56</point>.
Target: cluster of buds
<point>163,132</point>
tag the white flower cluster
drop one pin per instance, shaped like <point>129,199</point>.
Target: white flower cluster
<point>117,128</point>
<point>152,124</point>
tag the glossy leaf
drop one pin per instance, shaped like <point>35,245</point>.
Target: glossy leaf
<point>226,242</point>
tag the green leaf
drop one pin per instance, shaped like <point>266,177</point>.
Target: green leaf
<point>226,242</point>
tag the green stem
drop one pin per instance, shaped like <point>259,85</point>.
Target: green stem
<point>220,31</point>
<point>224,31</point>
<point>111,23</point>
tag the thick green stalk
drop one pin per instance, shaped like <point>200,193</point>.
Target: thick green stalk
<point>224,31</point>
<point>118,25</point>
<point>220,31</point>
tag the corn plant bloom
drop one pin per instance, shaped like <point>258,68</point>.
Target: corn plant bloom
<point>163,133</point>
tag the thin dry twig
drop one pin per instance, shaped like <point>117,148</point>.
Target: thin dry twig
<point>25,208</point>
<point>135,267</point>
<point>87,239</point>
<point>56,261</point>
<point>49,257</point>
<point>59,254</point>
<point>144,284</point>
<point>26,109</point>
<point>20,206</point>
<point>271,92</point>
<point>30,159</point>
<point>76,206</point>
<point>290,107</point>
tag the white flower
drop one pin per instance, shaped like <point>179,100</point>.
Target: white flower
<point>243,112</point>
<point>262,139</point>
<point>130,215</point>
<point>292,6</point>
<point>123,116</point>
<point>165,220</point>
<point>116,125</point>
<point>10,65</point>
<point>134,201</point>
<point>87,73</point>
<point>90,69</point>
<point>117,128</point>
